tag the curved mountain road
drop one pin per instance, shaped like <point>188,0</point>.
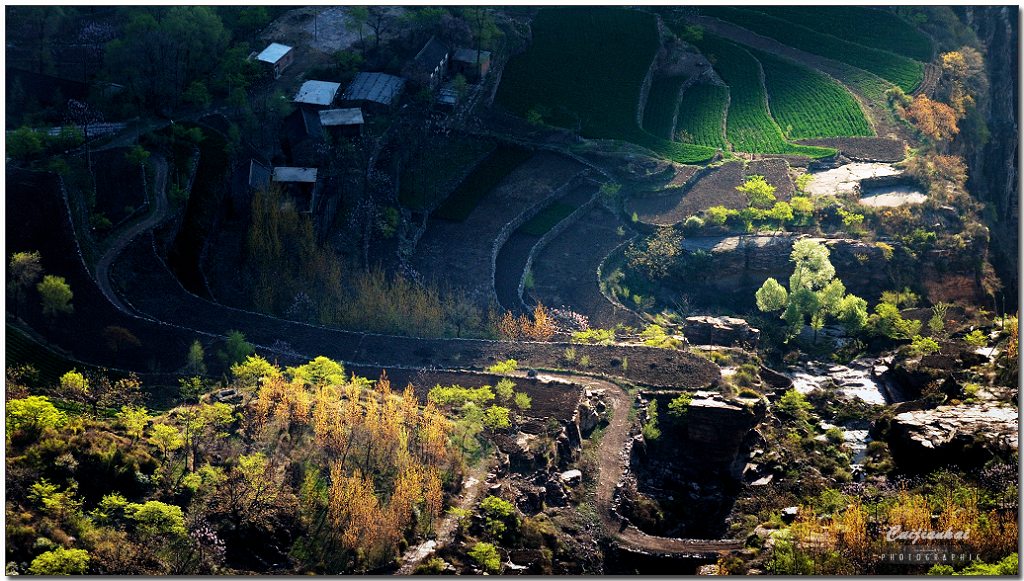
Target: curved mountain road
<point>121,240</point>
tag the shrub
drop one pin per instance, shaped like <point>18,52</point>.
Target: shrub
<point>923,345</point>
<point>594,336</point>
<point>486,555</point>
<point>650,429</point>
<point>502,367</point>
<point>679,406</point>
<point>498,514</point>
<point>976,338</point>
<point>61,561</point>
<point>794,404</point>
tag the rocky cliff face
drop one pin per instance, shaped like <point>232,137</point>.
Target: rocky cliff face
<point>967,436</point>
<point>743,263</point>
<point>993,164</point>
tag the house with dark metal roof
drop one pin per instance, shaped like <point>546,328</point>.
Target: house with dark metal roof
<point>378,90</point>
<point>430,65</point>
<point>317,94</point>
<point>259,176</point>
<point>471,63</point>
<point>277,57</point>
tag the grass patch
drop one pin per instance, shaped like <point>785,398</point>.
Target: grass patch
<point>484,178</point>
<point>547,218</point>
<point>809,104</point>
<point>899,70</point>
<point>661,106</point>
<point>428,177</point>
<point>585,68</point>
<point>749,126</point>
<point>701,113</point>
<point>863,25</point>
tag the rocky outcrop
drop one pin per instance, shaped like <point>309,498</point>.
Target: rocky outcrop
<point>915,376</point>
<point>741,264</point>
<point>727,331</point>
<point>965,436</point>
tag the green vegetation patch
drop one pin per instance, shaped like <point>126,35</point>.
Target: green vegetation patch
<point>547,218</point>
<point>701,115</point>
<point>867,26</point>
<point>585,68</point>
<point>899,70</point>
<point>749,126</point>
<point>661,105</point>
<point>809,104</point>
<point>484,178</point>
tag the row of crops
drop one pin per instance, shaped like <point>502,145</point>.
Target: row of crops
<point>584,69</point>
<point>808,104</point>
<point>661,105</point>
<point>899,70</point>
<point>749,125</point>
<point>702,113</point>
<point>866,26</point>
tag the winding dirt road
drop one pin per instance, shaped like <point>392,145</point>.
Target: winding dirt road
<point>119,243</point>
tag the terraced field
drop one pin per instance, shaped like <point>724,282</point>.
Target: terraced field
<point>661,106</point>
<point>863,25</point>
<point>808,104</point>
<point>488,174</point>
<point>899,70</point>
<point>585,67</point>
<point>749,126</point>
<point>702,112</point>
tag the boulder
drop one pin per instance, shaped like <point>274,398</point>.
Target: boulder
<point>525,451</point>
<point>571,477</point>
<point>728,331</point>
<point>530,499</point>
<point>967,436</point>
<point>587,418</point>
<point>555,494</point>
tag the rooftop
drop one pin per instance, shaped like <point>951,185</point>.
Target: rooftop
<point>377,87</point>
<point>317,93</point>
<point>306,175</point>
<point>335,117</point>
<point>259,175</point>
<point>273,53</point>
<point>432,53</point>
<point>468,55</point>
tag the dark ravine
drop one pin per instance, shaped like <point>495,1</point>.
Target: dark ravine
<point>992,167</point>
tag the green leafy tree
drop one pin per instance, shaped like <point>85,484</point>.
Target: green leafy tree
<point>505,390</point>
<point>33,414</point>
<point>781,212</point>
<point>134,420</point>
<point>24,269</point>
<point>523,401</point>
<point>320,372</point>
<point>236,348</point>
<point>56,295</point>
<point>61,561</point>
<point>24,143</point>
<point>803,209</point>
<point>759,192</point>
<point>679,406</point>
<point>497,417</point>
<point>771,297</point>
<point>157,518</point>
<point>195,362</point>
<point>650,429</point>
<point>166,438</point>
<point>498,515</point>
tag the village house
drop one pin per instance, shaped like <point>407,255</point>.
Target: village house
<point>471,63</point>
<point>371,91</point>
<point>277,57</point>
<point>430,65</point>
<point>316,94</point>
<point>342,122</point>
<point>300,183</point>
